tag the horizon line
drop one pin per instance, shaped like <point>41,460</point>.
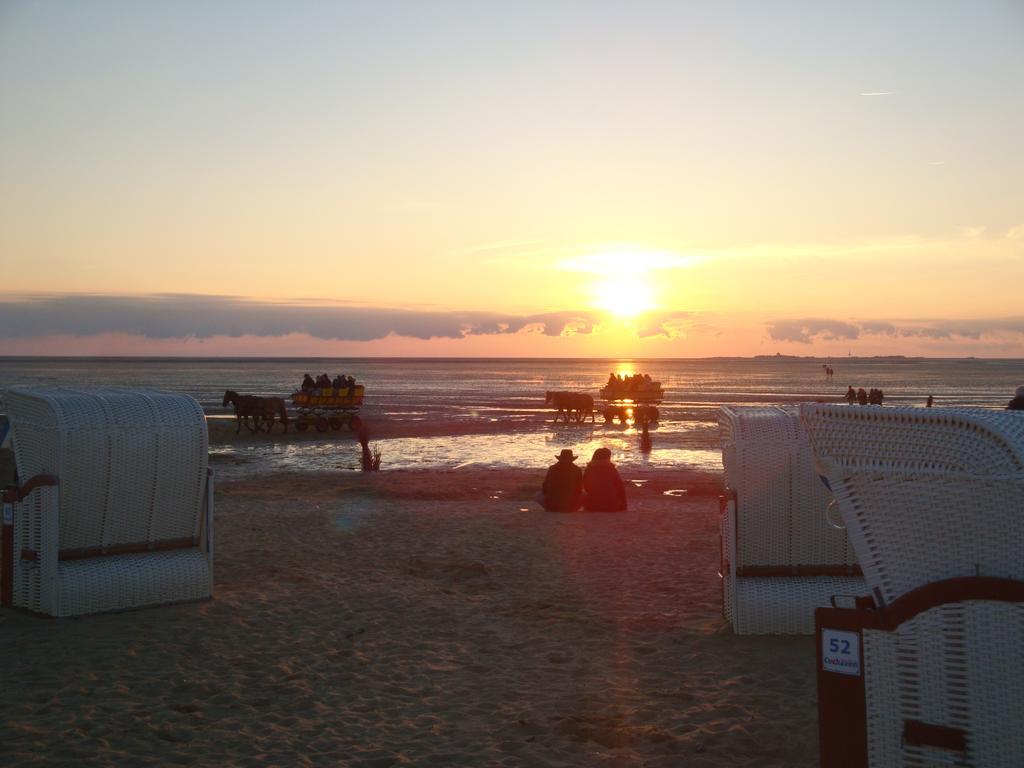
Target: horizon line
<point>285,358</point>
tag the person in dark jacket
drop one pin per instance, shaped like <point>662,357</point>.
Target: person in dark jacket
<point>604,489</point>
<point>1017,404</point>
<point>563,486</point>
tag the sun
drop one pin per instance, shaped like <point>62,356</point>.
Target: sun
<point>624,295</point>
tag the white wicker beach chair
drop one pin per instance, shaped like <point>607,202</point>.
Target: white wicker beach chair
<point>114,507</point>
<point>781,558</point>
<point>929,670</point>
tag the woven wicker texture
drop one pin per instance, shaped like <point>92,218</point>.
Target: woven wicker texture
<point>784,605</point>
<point>132,465</point>
<point>926,494</point>
<point>98,584</point>
<point>132,471</point>
<point>778,520</point>
<point>958,666</point>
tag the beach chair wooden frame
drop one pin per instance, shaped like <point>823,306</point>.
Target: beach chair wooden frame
<point>780,557</point>
<point>114,506</point>
<point>927,668</point>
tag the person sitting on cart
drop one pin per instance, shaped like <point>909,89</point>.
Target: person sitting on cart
<point>339,381</point>
<point>308,383</point>
<point>612,381</point>
<point>350,382</point>
<point>323,381</point>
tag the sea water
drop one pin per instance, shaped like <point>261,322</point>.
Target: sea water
<point>454,394</point>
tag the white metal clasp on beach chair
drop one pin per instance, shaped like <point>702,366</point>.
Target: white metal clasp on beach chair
<point>114,503</point>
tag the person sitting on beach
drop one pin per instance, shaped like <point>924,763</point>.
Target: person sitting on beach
<point>1017,404</point>
<point>308,383</point>
<point>562,490</point>
<point>851,395</point>
<point>603,487</point>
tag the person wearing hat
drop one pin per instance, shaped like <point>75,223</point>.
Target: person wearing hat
<point>605,491</point>
<point>1017,404</point>
<point>563,486</point>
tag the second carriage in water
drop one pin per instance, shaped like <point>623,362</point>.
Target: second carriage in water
<point>635,397</point>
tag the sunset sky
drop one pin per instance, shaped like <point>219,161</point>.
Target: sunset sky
<point>530,179</point>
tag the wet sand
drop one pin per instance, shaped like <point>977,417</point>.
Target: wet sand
<point>425,619</point>
<point>224,430</point>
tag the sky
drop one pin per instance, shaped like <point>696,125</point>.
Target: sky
<point>673,179</point>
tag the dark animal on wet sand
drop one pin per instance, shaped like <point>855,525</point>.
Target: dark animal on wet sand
<point>246,407</point>
<point>571,404</point>
<point>270,408</point>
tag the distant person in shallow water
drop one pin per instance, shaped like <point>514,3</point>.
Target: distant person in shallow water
<point>1017,404</point>
<point>645,439</point>
<point>603,487</point>
<point>563,486</point>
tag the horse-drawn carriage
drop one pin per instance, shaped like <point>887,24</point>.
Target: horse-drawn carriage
<point>324,409</point>
<point>327,408</point>
<point>637,397</point>
<point>633,398</point>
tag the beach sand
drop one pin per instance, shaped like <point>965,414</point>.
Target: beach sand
<point>424,619</point>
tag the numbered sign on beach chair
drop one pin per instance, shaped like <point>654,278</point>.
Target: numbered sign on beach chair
<point>113,508</point>
<point>780,556</point>
<point>928,669</point>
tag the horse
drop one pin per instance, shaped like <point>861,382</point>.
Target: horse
<point>270,407</point>
<point>573,404</point>
<point>246,407</point>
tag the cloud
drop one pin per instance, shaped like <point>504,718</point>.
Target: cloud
<point>608,259</point>
<point>185,316</point>
<point>670,325</point>
<point>808,330</point>
<point>878,328</point>
<point>959,245</point>
<point>594,258</point>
